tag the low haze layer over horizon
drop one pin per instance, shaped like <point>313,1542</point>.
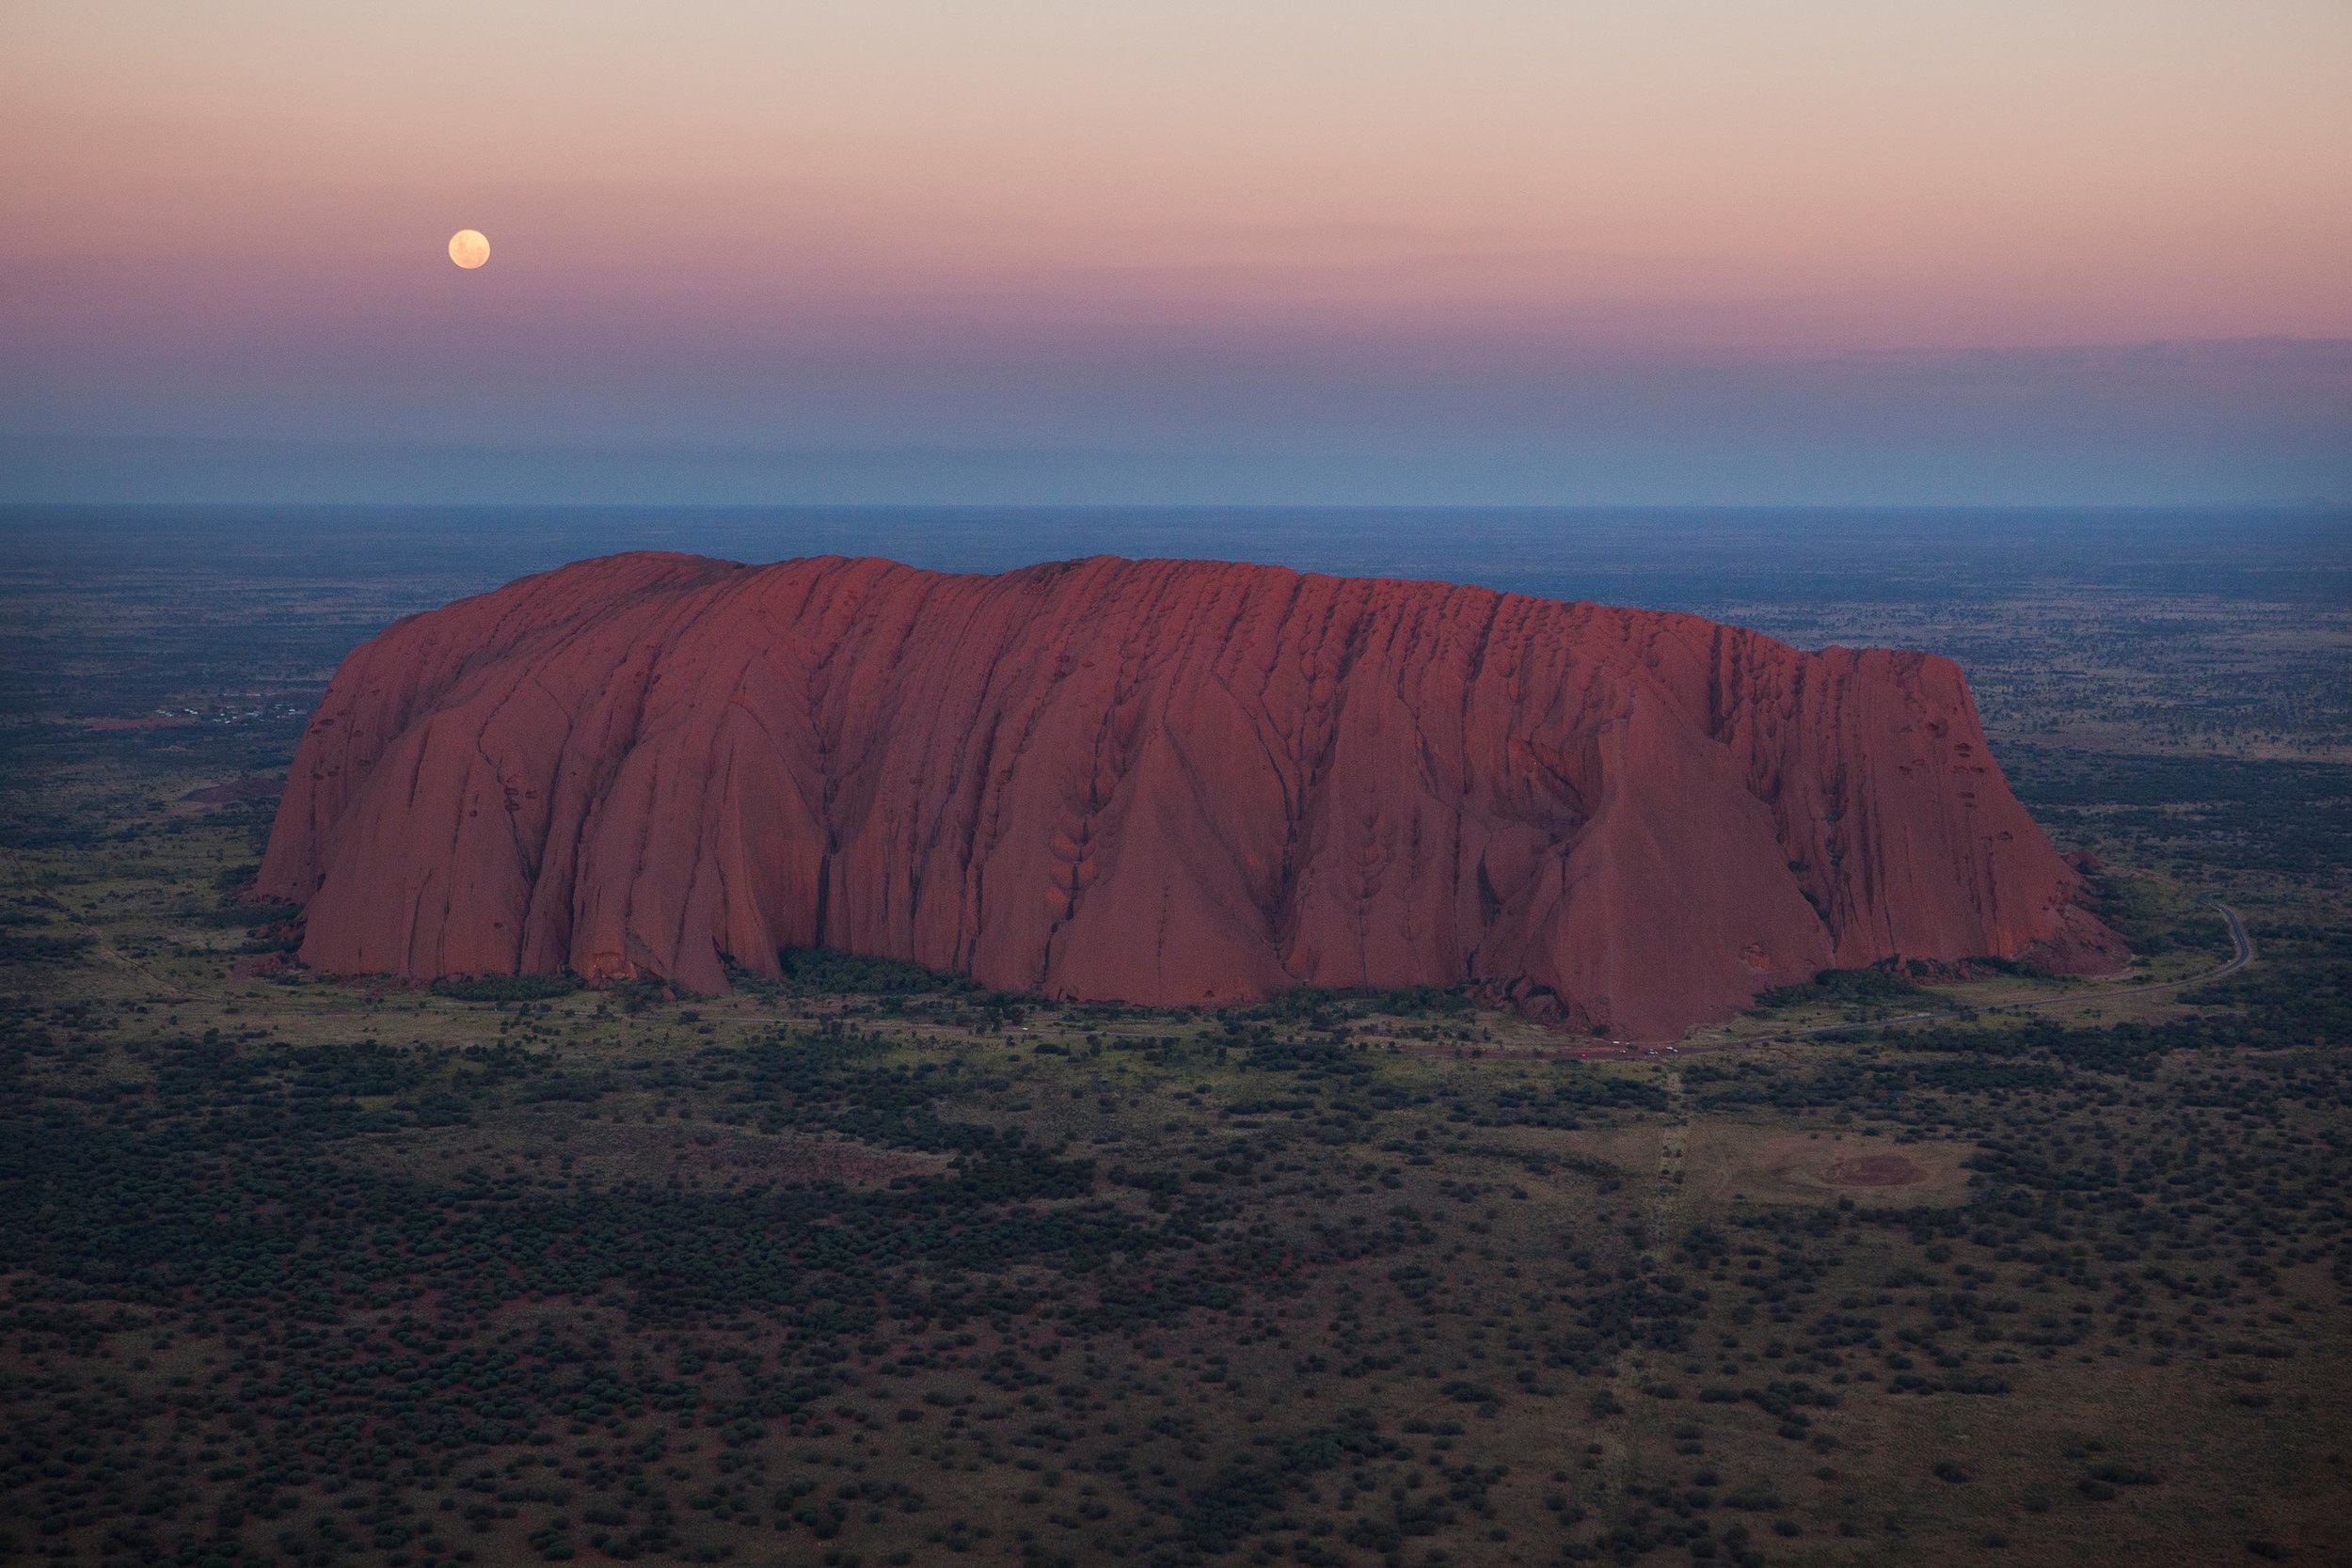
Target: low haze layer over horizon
<point>1492,252</point>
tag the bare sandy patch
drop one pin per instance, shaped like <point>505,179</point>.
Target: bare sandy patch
<point>1727,1161</point>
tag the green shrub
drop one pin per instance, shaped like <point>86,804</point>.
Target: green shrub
<point>828,971</point>
<point>505,987</point>
<point>1843,988</point>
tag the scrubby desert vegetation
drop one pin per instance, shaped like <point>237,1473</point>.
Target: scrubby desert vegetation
<point>874,1266</point>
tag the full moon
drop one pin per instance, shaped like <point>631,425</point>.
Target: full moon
<point>468,248</point>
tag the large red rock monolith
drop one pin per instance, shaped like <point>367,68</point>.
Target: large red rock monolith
<point>1163,782</point>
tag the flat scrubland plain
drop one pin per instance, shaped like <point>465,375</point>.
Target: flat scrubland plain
<point>872,1267</point>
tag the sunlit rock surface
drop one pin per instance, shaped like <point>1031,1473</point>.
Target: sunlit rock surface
<point>1161,781</point>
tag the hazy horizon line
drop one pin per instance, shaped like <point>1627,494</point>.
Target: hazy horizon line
<point>2309,504</point>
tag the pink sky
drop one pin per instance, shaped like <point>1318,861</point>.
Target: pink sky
<point>216,219</point>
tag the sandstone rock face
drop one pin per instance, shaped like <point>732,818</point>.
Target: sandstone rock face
<point>1160,782</point>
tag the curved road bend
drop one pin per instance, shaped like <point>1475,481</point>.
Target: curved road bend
<point>1629,1050</point>
<point>2241,956</point>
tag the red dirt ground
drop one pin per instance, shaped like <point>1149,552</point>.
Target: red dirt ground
<point>1873,1170</point>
